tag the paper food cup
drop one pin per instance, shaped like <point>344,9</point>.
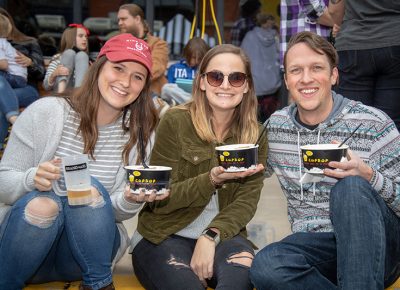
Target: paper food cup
<point>149,179</point>
<point>316,157</point>
<point>237,157</point>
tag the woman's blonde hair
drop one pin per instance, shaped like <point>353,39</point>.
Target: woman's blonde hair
<point>139,115</point>
<point>244,124</point>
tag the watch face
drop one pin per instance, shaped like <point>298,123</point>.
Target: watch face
<point>211,234</point>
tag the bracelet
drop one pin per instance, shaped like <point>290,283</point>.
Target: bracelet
<point>216,184</point>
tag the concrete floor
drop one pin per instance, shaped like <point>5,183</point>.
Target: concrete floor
<point>269,224</point>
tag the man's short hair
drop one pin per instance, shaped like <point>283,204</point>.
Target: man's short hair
<point>316,43</point>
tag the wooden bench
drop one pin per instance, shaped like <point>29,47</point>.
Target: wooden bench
<point>123,282</point>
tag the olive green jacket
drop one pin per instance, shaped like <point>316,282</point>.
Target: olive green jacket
<point>177,145</point>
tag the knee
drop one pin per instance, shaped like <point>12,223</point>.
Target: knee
<point>347,192</point>
<point>97,200</point>
<point>82,56</point>
<point>41,211</point>
<point>243,259</point>
<point>68,53</point>
<point>67,58</point>
<point>267,269</point>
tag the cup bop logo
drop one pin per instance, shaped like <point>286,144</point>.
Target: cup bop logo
<point>132,176</point>
<point>140,180</point>
<point>308,153</point>
<point>222,157</point>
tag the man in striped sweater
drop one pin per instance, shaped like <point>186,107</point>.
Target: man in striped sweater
<point>345,223</point>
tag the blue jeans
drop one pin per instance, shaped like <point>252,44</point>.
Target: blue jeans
<point>79,243</point>
<point>167,265</point>
<point>10,102</point>
<point>14,80</point>
<point>372,76</point>
<point>363,252</point>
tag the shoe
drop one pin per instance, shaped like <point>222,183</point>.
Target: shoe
<point>108,287</point>
<point>161,106</point>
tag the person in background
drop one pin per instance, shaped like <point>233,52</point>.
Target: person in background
<point>345,222</point>
<point>10,70</point>
<point>29,55</point>
<point>42,237</point>
<point>197,236</point>
<point>303,15</point>
<point>14,73</point>
<point>262,47</point>
<point>368,45</point>
<point>186,68</point>
<point>68,68</point>
<point>247,21</point>
<point>131,20</point>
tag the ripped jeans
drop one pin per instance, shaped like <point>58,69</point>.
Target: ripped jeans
<point>167,265</point>
<point>74,243</point>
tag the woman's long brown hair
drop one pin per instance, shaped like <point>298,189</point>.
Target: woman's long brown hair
<point>139,114</point>
<point>15,35</point>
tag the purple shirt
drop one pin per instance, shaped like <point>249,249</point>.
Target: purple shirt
<point>298,16</point>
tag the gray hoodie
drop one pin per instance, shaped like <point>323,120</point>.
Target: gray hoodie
<point>261,47</point>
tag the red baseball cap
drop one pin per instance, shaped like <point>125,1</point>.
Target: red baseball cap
<point>126,47</point>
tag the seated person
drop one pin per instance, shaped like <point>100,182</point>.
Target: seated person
<point>186,68</point>
<point>12,72</point>
<point>345,222</point>
<point>29,56</point>
<point>68,68</point>
<point>197,237</point>
<point>43,238</point>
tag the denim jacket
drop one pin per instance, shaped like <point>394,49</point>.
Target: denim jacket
<point>177,145</point>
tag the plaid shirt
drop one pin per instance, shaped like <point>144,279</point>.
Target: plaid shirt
<point>239,30</point>
<point>301,15</point>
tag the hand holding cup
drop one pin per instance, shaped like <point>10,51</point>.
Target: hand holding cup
<point>219,174</point>
<point>353,166</point>
<point>46,173</point>
<point>144,196</point>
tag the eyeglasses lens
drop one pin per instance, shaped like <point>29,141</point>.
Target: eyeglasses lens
<point>216,78</point>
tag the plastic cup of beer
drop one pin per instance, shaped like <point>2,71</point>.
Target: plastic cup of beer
<point>77,179</point>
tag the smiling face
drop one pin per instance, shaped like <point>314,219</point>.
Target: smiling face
<point>309,78</point>
<point>81,39</point>
<point>224,98</point>
<point>120,84</point>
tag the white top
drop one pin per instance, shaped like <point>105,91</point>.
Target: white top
<point>8,52</point>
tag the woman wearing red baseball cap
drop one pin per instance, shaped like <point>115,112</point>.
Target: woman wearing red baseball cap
<point>42,237</point>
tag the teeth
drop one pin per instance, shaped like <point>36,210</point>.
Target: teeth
<point>308,91</point>
<point>223,95</point>
<point>118,91</point>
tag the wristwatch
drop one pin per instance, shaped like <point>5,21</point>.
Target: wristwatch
<point>211,235</point>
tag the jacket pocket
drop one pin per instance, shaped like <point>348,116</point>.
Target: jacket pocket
<point>194,162</point>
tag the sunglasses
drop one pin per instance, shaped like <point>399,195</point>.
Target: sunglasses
<point>216,78</point>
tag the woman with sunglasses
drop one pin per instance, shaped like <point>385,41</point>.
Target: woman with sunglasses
<point>197,236</point>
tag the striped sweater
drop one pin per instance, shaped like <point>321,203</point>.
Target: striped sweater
<point>377,142</point>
